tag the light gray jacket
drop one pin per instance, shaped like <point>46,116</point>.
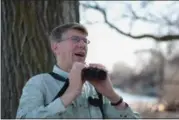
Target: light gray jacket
<point>41,89</point>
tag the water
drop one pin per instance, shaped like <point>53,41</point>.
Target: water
<point>130,98</point>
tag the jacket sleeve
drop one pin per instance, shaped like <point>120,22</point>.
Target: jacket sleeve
<point>112,112</point>
<point>31,104</point>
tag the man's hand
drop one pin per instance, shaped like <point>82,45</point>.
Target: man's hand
<point>75,84</point>
<point>105,86</point>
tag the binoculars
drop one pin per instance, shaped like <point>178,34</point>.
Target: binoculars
<point>91,73</point>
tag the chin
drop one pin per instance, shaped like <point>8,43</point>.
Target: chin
<point>82,61</point>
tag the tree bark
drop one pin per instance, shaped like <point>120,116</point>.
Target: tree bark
<point>25,47</point>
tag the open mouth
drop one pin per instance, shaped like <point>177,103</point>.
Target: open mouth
<point>80,54</point>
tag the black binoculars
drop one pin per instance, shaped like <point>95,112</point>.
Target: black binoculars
<point>91,73</point>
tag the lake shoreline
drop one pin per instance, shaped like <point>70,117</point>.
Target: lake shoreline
<point>148,107</point>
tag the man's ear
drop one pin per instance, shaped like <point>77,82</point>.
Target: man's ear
<point>54,47</point>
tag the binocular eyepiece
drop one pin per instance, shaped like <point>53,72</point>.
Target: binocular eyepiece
<point>91,73</point>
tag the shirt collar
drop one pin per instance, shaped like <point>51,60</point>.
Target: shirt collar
<point>58,70</point>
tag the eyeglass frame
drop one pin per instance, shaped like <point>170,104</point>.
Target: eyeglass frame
<point>85,40</point>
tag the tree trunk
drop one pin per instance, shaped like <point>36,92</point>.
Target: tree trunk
<point>25,48</point>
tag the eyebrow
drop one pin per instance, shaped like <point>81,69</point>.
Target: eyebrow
<point>78,36</point>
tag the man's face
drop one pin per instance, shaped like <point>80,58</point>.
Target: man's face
<point>72,48</point>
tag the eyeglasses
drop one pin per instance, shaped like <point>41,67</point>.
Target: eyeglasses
<point>77,39</point>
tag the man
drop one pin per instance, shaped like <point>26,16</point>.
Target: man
<point>69,44</point>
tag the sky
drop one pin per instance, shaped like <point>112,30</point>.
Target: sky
<point>107,46</point>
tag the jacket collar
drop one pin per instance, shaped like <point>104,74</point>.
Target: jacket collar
<point>58,70</point>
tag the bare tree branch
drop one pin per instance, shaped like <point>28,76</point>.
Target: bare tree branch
<point>164,20</point>
<point>157,38</point>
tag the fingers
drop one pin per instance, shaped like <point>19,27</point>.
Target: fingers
<point>99,66</point>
